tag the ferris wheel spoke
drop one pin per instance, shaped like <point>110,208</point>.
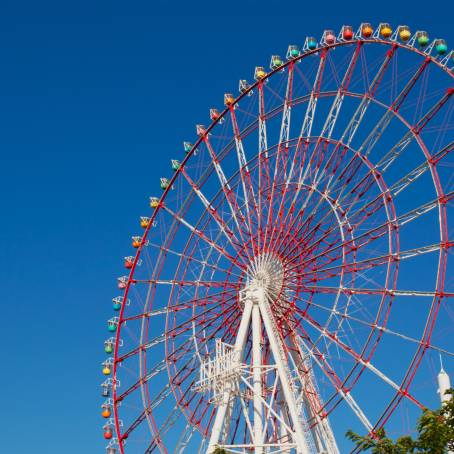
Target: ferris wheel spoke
<point>262,130</point>
<point>326,272</point>
<point>356,120</point>
<point>328,210</point>
<point>379,129</point>
<point>292,236</point>
<point>277,227</point>
<point>263,162</point>
<point>186,370</point>
<point>185,398</point>
<point>293,230</point>
<point>298,156</point>
<point>201,334</point>
<point>360,189</point>
<point>358,115</point>
<point>201,415</point>
<point>284,134</point>
<point>398,149</point>
<point>161,337</point>
<point>332,206</point>
<point>245,175</point>
<point>286,223</point>
<point>333,113</point>
<point>204,263</point>
<point>436,158</point>
<point>415,173</point>
<point>370,291</point>
<point>371,140</point>
<point>369,208</point>
<point>233,240</point>
<point>336,106</point>
<point>158,400</point>
<point>284,137</point>
<point>164,311</point>
<point>308,121</point>
<point>186,283</point>
<point>374,233</point>
<point>381,260</point>
<point>389,157</point>
<point>322,362</point>
<point>177,308</point>
<point>185,438</point>
<point>280,167</point>
<point>214,299</point>
<point>184,373</point>
<point>359,359</point>
<point>331,119</point>
<point>185,348</point>
<point>153,372</point>
<point>202,236</point>
<point>404,182</point>
<point>347,176</point>
<point>372,325</point>
<point>169,422</point>
<point>345,394</point>
<point>327,128</point>
<point>294,252</point>
<point>228,193</point>
<point>187,325</point>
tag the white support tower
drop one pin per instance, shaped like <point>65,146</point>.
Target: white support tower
<point>269,393</point>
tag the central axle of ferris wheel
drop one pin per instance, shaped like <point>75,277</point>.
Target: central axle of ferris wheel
<point>224,374</point>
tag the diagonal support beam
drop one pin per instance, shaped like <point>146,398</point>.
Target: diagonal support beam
<point>238,351</point>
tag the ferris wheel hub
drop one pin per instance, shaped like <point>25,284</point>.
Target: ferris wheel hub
<point>267,272</point>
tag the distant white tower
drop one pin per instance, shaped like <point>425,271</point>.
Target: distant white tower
<point>444,383</point>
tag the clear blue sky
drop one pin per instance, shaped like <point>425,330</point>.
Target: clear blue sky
<point>95,99</point>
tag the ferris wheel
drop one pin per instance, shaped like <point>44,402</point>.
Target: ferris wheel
<point>294,278</point>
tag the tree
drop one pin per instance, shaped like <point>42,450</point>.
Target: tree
<point>219,450</point>
<point>435,434</point>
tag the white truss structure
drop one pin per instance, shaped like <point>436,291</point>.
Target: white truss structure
<point>231,381</point>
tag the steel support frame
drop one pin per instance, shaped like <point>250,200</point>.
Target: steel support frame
<point>257,311</point>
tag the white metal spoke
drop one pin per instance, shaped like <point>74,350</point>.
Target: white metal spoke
<point>358,358</point>
<point>344,314</point>
<point>263,140</point>
<point>375,261</point>
<point>380,230</point>
<point>369,291</point>
<point>333,114</point>
<point>212,211</point>
<point>358,116</point>
<point>369,143</point>
<point>347,396</point>
<point>308,121</point>
<point>204,263</point>
<point>243,168</point>
<point>199,234</point>
<point>226,188</point>
<point>284,134</point>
